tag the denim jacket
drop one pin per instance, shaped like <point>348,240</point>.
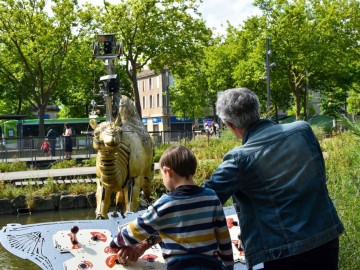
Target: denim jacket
<point>277,182</point>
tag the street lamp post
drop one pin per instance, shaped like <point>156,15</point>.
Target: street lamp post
<point>268,67</point>
<point>268,52</point>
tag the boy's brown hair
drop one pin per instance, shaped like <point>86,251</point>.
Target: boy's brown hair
<point>180,159</point>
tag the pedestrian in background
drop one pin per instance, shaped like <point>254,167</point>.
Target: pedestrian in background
<point>45,146</point>
<point>68,141</point>
<point>52,135</point>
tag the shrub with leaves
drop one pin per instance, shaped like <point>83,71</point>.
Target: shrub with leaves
<point>343,171</point>
<point>63,164</point>
<point>15,166</point>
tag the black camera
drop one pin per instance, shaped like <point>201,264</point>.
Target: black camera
<point>106,47</point>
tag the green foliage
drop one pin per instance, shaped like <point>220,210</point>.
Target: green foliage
<point>343,172</point>
<point>13,166</point>
<point>50,187</point>
<point>89,162</point>
<point>181,37</point>
<point>187,96</point>
<point>319,132</point>
<point>322,121</point>
<point>63,164</point>
<point>79,188</point>
<point>302,34</point>
<point>8,191</point>
<point>204,170</point>
<point>157,186</point>
<point>353,127</point>
<point>34,50</point>
<point>159,150</point>
<point>353,100</point>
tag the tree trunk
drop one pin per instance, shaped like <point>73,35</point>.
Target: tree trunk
<point>41,114</point>
<point>297,103</point>
<point>306,113</point>
<point>214,110</point>
<point>135,90</point>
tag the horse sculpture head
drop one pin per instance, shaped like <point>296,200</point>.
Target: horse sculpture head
<point>107,136</point>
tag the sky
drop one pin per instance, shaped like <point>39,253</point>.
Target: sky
<point>216,12</point>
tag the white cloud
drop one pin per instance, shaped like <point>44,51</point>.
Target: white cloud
<point>215,12</point>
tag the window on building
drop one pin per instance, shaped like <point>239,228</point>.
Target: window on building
<point>150,83</point>
<point>144,103</point>
<point>158,100</point>
<point>155,127</point>
<point>143,86</point>
<point>151,101</point>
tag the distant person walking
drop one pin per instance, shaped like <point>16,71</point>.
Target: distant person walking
<point>68,141</point>
<point>52,135</point>
<point>214,129</point>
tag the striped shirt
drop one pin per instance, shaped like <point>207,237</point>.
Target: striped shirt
<point>190,220</point>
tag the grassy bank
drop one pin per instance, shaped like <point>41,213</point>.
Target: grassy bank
<point>343,170</point>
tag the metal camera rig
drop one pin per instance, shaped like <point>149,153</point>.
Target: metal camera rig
<point>107,49</point>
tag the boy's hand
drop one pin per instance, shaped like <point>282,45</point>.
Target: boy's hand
<point>132,253</point>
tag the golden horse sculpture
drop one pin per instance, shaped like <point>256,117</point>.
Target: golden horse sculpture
<point>124,162</point>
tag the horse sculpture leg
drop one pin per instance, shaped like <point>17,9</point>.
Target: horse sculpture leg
<point>133,194</point>
<point>120,202</point>
<point>103,200</point>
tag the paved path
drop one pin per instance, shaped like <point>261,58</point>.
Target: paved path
<point>52,173</point>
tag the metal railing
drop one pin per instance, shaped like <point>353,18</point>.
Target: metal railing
<point>29,148</point>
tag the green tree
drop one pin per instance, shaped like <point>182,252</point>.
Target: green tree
<point>188,97</point>
<point>34,48</point>
<point>353,100</point>
<point>238,60</point>
<point>158,33</point>
<point>314,43</point>
<point>218,66</point>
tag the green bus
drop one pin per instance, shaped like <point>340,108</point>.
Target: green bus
<point>30,127</point>
<point>17,134</point>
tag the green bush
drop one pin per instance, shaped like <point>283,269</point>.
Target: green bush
<point>159,150</point>
<point>91,162</point>
<point>319,132</point>
<point>343,171</point>
<point>8,191</point>
<point>50,187</point>
<point>15,166</point>
<point>66,163</point>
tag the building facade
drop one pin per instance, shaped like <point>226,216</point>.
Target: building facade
<point>155,104</point>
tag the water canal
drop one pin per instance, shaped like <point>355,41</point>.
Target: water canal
<point>8,261</point>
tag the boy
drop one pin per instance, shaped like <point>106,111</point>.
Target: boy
<point>189,219</point>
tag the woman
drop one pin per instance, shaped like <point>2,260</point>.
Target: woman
<point>68,141</point>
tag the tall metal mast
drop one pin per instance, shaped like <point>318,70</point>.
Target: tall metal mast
<point>108,50</point>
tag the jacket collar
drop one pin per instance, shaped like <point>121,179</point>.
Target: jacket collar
<point>256,127</point>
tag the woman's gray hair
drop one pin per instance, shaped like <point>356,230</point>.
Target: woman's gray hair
<point>239,106</point>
